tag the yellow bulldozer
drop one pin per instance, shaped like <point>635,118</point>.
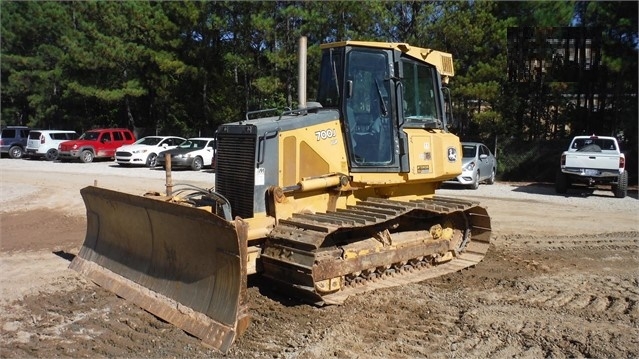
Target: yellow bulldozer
<point>333,198</point>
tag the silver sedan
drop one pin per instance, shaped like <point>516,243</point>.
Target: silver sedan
<point>478,165</point>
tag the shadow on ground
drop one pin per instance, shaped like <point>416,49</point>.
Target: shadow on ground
<point>573,191</point>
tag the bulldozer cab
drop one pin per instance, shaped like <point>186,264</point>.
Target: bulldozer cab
<point>380,89</point>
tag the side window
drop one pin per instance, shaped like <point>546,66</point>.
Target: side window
<point>9,133</point>
<point>57,136</point>
<point>24,133</point>
<point>128,136</point>
<point>117,136</point>
<point>106,137</point>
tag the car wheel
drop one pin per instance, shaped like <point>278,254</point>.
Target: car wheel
<point>51,155</point>
<point>561,183</point>
<point>86,156</point>
<point>152,160</point>
<point>475,183</point>
<point>197,164</point>
<point>621,188</point>
<point>15,152</point>
<point>491,179</point>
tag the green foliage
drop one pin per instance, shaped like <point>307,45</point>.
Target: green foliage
<point>184,68</point>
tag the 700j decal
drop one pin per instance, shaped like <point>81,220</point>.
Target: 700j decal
<point>325,134</point>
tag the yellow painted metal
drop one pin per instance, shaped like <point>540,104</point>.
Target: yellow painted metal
<point>442,60</point>
<point>183,264</point>
<point>310,152</point>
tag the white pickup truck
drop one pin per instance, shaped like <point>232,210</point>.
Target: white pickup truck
<point>593,160</point>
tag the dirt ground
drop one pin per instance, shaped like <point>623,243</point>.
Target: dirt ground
<point>561,279</point>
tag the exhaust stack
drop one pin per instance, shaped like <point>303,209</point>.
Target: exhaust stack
<point>301,89</point>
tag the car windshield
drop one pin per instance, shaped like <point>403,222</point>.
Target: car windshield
<point>149,141</point>
<point>90,135</point>
<point>193,144</point>
<point>469,151</point>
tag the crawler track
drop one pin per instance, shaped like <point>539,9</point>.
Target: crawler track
<point>374,244</point>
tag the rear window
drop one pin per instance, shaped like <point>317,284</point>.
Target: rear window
<point>8,133</point>
<point>63,136</point>
<point>34,135</point>
<point>593,145</point>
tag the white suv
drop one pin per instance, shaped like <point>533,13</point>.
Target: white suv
<point>44,143</point>
<point>144,152</point>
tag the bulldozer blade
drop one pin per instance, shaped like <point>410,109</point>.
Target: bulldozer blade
<point>183,264</point>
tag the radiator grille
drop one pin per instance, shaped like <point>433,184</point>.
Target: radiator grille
<point>447,65</point>
<point>235,176</point>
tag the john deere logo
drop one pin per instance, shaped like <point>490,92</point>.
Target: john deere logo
<point>452,154</point>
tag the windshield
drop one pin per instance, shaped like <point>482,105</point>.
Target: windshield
<point>90,135</point>
<point>193,144</point>
<point>469,151</point>
<point>420,96</point>
<point>149,141</point>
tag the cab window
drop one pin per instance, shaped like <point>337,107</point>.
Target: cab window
<point>368,107</point>
<point>420,99</point>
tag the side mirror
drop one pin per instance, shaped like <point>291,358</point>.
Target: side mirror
<point>483,156</point>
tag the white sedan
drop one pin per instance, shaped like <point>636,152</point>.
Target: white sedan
<point>194,153</point>
<point>144,152</point>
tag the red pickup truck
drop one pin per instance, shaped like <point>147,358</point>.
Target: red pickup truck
<point>99,143</point>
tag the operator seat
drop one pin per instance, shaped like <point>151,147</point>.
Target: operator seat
<point>367,135</point>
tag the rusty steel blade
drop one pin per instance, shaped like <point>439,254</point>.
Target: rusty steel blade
<point>182,264</point>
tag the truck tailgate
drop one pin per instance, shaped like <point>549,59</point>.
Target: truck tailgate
<point>593,160</point>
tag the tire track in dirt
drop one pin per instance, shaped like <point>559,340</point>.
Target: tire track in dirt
<point>620,240</point>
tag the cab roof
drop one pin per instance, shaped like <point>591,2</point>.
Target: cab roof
<point>442,60</point>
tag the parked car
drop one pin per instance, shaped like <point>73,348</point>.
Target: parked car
<point>44,143</point>
<point>593,160</point>
<point>478,165</point>
<point>13,140</point>
<point>100,143</point>
<point>145,150</point>
<point>194,153</point>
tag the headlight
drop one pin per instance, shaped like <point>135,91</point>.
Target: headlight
<point>139,151</point>
<point>470,166</point>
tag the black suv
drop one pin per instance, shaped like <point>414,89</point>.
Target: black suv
<point>13,140</point>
